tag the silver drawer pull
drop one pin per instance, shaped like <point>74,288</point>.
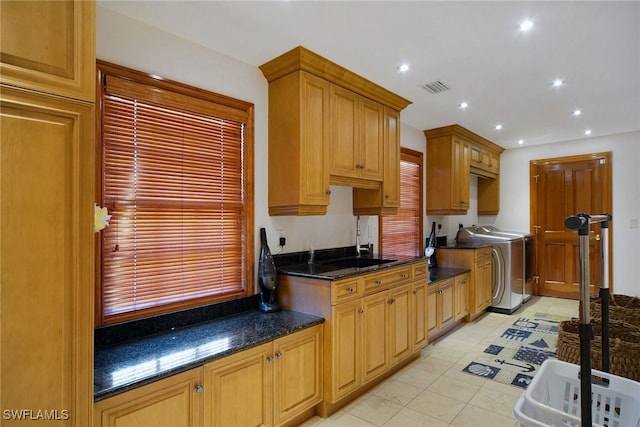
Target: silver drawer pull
<point>378,282</point>
<point>404,276</point>
<point>349,290</point>
<point>198,388</point>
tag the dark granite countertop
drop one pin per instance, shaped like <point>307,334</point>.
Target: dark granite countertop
<point>443,273</point>
<point>323,268</point>
<point>124,366</point>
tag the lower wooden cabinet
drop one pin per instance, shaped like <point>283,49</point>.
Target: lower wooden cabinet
<point>171,402</point>
<point>461,293</point>
<point>419,327</point>
<point>478,260</point>
<point>440,306</point>
<point>268,385</point>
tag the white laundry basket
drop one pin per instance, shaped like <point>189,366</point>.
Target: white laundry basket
<point>553,398</point>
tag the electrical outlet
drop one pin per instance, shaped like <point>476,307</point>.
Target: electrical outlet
<point>283,241</point>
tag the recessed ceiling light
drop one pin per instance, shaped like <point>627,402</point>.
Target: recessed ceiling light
<point>525,25</point>
<point>463,105</point>
<point>498,126</point>
<point>577,112</point>
<point>521,141</point>
<point>403,68</point>
<point>557,83</point>
<point>587,132</point>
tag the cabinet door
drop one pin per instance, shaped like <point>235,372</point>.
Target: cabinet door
<point>483,285</point>
<point>345,133</point>
<point>446,302</point>
<point>432,309</point>
<point>170,402</point>
<point>371,140</point>
<point>346,349</point>
<point>400,323</point>
<point>46,254</point>
<point>49,46</point>
<point>375,335</point>
<point>391,182</point>
<point>297,373</point>
<point>460,174</point>
<point>238,389</point>
<point>314,128</point>
<point>461,293</point>
<point>419,315</point>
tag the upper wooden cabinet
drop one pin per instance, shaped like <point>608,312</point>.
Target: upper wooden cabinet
<point>49,46</point>
<point>384,200</point>
<point>453,153</point>
<point>341,130</point>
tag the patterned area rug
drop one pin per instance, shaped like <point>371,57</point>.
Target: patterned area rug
<point>515,357</point>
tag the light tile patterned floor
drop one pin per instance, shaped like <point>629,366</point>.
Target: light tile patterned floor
<point>432,391</point>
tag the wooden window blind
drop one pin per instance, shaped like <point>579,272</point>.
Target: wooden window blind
<point>402,233</point>
<point>173,174</point>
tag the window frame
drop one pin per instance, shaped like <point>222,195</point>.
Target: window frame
<point>226,107</point>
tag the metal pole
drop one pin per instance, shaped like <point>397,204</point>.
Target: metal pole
<point>581,223</point>
<point>604,295</point>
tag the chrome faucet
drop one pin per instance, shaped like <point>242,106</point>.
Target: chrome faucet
<point>368,248</point>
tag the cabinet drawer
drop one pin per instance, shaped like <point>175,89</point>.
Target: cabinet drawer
<point>345,290</point>
<point>384,280</point>
<point>419,271</point>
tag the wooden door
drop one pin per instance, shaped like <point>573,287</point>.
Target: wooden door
<point>446,302</point>
<point>346,348</point>
<point>560,188</point>
<point>345,133</point>
<point>419,325</point>
<point>170,402</point>
<point>400,323</point>
<point>297,373</point>
<point>460,175</point>
<point>371,139</point>
<point>432,309</point>
<point>375,336</point>
<point>461,294</point>
<point>238,389</point>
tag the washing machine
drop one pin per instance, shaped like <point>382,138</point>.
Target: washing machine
<point>508,268</point>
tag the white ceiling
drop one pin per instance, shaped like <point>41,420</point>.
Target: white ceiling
<point>472,46</point>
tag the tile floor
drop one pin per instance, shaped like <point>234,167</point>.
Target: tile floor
<point>433,390</point>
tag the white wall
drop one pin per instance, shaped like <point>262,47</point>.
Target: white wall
<point>127,42</point>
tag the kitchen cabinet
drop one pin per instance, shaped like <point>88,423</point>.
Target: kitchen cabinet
<point>447,175</point>
<point>175,401</point>
<point>478,260</point>
<point>356,143</point>
<point>46,208</point>
<point>273,384</point>
<point>299,126</point>
<point>328,125</point>
<point>419,326</point>
<point>384,200</point>
<point>453,153</point>
<point>267,385</point>
<point>369,328</point>
<point>461,293</point>
<point>440,306</point>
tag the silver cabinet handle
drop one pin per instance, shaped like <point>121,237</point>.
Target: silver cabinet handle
<point>360,311</point>
<point>198,388</point>
<point>349,290</point>
<point>378,282</point>
<point>269,359</point>
<point>391,301</point>
<point>415,292</point>
<point>278,355</point>
<point>404,276</point>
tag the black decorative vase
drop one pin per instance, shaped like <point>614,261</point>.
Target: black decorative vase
<point>267,277</point>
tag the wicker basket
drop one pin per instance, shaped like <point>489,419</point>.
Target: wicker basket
<point>621,307</point>
<point>624,346</point>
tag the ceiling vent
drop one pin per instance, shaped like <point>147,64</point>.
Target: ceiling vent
<point>436,87</point>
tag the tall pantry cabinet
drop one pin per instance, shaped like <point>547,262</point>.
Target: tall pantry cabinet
<point>47,173</point>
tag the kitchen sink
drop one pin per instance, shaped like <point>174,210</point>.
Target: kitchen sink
<point>357,262</point>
